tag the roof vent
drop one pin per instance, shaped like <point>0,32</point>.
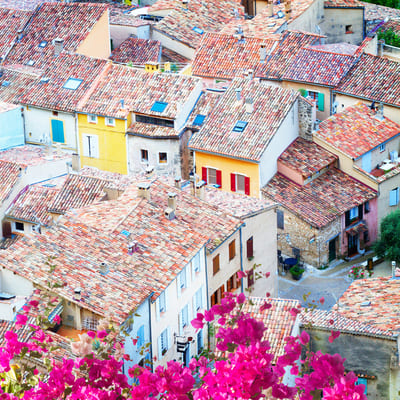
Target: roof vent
<point>144,190</point>
<point>20,34</point>
<point>177,181</point>
<point>169,213</point>
<point>104,268</point>
<point>133,247</point>
<point>45,79</point>
<point>249,105</point>
<point>250,73</point>
<point>77,293</point>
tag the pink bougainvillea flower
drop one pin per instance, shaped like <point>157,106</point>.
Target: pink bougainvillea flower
<point>334,335</point>
<point>265,306</point>
<point>241,274</point>
<point>322,300</point>
<point>304,338</point>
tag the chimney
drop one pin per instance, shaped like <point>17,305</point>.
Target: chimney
<point>77,293</point>
<point>250,73</point>
<point>381,43</point>
<point>177,181</point>
<point>104,269</point>
<point>58,46</point>
<point>144,190</point>
<point>270,8</point>
<point>20,34</point>
<point>75,161</point>
<point>149,171</point>
<point>172,200</point>
<point>263,53</point>
<point>249,105</point>
<point>238,93</point>
<point>122,101</point>
<point>185,4</point>
<point>288,9</point>
<point>379,112</point>
<point>200,190</point>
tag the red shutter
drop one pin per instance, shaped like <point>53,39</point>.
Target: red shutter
<point>233,182</point>
<point>247,185</point>
<point>250,247</point>
<point>219,178</point>
<point>204,174</point>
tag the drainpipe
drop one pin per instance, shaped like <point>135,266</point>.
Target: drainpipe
<point>150,335</point>
<point>241,259</point>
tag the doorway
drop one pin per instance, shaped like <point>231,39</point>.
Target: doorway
<point>332,250</point>
<point>353,244</point>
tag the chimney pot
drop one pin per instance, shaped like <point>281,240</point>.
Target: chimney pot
<point>263,53</point>
<point>172,201</point>
<point>149,171</point>
<point>58,46</point>
<point>144,190</point>
<point>77,293</point>
<point>249,105</point>
<point>178,182</point>
<point>200,190</point>
<point>104,268</point>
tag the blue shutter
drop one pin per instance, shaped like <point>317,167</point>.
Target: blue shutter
<point>393,197</point>
<point>162,302</point>
<point>321,101</point>
<point>140,335</point>
<point>362,381</point>
<point>57,130</point>
<point>160,346</point>
<point>366,162</point>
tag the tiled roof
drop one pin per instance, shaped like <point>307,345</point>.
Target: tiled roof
<point>149,130</point>
<point>78,191</point>
<point>356,130</point>
<point>9,175</point>
<point>20,4</point>
<point>187,25</point>
<point>377,12</point>
<point>17,84</point>
<point>137,51</point>
<point>52,94</point>
<point>30,155</point>
<point>71,22</point>
<point>322,200</point>
<point>278,320</point>
<point>4,107</point>
<point>204,106</point>
<point>10,22</point>
<point>393,25</point>
<point>223,56</point>
<point>333,320</point>
<point>373,78</point>
<point>343,4</point>
<point>373,301</point>
<point>306,157</point>
<point>338,48</point>
<point>319,67</point>
<point>114,180</point>
<point>139,90</point>
<point>32,204</point>
<point>285,54</point>
<point>271,105</point>
<point>173,57</point>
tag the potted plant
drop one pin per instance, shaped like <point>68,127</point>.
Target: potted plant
<point>297,272</point>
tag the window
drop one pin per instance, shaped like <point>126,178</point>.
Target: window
<point>159,106</point>
<point>240,184</point>
<point>232,250</point>
<point>55,113</point>
<point>211,176</point>
<point>394,197</point>
<point>163,343</point>
<point>30,63</point>
<point>318,98</point>
<point>92,119</point>
<point>198,30</point>
<point>280,219</point>
<point>354,213</point>
<point>250,278</point>
<point>196,263</point>
<point>349,28</point>
<point>217,295</point>
<point>200,341</point>
<point>382,147</point>
<point>161,303</point>
<point>43,44</point>
<point>215,264</point>
<point>5,83</point>
<point>154,121</point>
<point>57,131</point>
<point>183,318</point>
<point>72,83</point>
<point>232,283</point>
<point>110,121</point>
<point>199,119</point>
<point>182,279</point>
<point>144,155</point>
<point>362,381</point>
<point>19,226</point>
<point>249,248</point>
<point>90,146</point>
<point>239,126</point>
<point>367,208</point>
<point>162,158</point>
<point>198,300</point>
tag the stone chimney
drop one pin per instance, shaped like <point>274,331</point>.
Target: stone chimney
<point>144,190</point>
<point>200,190</point>
<point>249,105</point>
<point>177,182</point>
<point>263,53</point>
<point>58,46</point>
<point>172,200</point>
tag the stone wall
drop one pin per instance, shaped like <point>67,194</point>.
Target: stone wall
<point>186,156</point>
<point>305,119</point>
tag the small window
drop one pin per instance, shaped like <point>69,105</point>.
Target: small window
<point>198,300</point>
<point>199,119</point>
<point>217,296</point>
<point>163,343</point>
<point>232,283</point>
<point>90,146</point>
<point>239,126</point>
<point>55,113</point>
<point>280,219</point>
<point>354,213</point>
<point>232,250</point>
<point>144,154</point>
<point>43,44</point>
<point>240,183</point>
<point>196,263</point>
<point>211,176</point>
<point>182,279</point>
<point>249,248</point>
<point>72,83</point>
<point>184,318</point>
<point>349,28</point>
<point>140,338</point>
<point>19,226</point>
<point>382,147</point>
<point>159,106</point>
<point>5,83</point>
<point>110,121</point>
<point>161,303</point>
<point>162,158</point>
<point>92,119</point>
<point>215,264</point>
<point>367,208</point>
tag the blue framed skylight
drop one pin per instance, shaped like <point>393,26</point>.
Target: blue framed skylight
<point>5,83</point>
<point>159,106</point>
<point>239,126</point>
<point>199,119</point>
<point>72,83</point>
<point>198,30</point>
<point>30,63</point>
<point>43,44</point>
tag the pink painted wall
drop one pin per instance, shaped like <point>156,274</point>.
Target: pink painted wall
<point>291,174</point>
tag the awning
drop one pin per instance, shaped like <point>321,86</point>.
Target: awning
<point>360,227</point>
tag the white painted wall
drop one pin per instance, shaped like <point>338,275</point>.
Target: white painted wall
<point>119,33</point>
<point>174,304</point>
<point>173,44</point>
<point>38,127</point>
<point>187,107</point>
<point>9,308</point>
<point>15,284</point>
<point>287,132</point>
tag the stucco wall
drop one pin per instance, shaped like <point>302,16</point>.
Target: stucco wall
<point>172,44</point>
<point>11,129</point>
<point>335,22</point>
<point>119,33</point>
<point>308,20</point>
<point>15,284</point>
<point>384,192</point>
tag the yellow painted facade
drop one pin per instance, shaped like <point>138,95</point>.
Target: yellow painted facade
<point>227,166</point>
<point>111,144</point>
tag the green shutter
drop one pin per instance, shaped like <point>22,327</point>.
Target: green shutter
<point>303,92</point>
<point>321,101</point>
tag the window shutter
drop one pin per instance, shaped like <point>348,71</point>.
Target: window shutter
<point>233,182</point>
<point>321,101</point>
<point>166,291</point>
<point>158,308</point>
<point>219,178</point>
<point>168,338</point>
<point>85,143</point>
<point>393,197</point>
<point>347,218</point>
<point>140,335</point>
<point>204,174</point>
<point>249,245</point>
<point>178,285</point>
<point>160,346</point>
<point>187,277</point>
<point>360,211</point>
<point>280,219</point>
<point>247,185</point>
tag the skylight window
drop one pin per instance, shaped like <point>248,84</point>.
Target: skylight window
<point>30,62</point>
<point>72,83</point>
<point>5,83</point>
<point>199,119</point>
<point>198,30</point>
<point>43,44</point>
<point>239,126</point>
<point>159,106</point>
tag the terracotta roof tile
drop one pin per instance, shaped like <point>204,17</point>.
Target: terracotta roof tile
<point>338,48</point>
<point>271,105</point>
<point>306,157</point>
<point>278,320</point>
<point>356,130</point>
<point>373,301</point>
<point>322,200</point>
<point>149,130</point>
<point>137,51</point>
<point>9,175</point>
<point>20,4</point>
<point>173,57</point>
<point>373,78</point>
<point>343,4</point>
<point>203,107</point>
<point>139,90</point>
<point>377,12</point>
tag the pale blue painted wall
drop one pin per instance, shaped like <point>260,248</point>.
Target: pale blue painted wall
<point>11,129</point>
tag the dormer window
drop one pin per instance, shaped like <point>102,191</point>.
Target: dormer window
<point>159,106</point>
<point>43,44</point>
<point>239,126</point>
<point>72,83</point>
